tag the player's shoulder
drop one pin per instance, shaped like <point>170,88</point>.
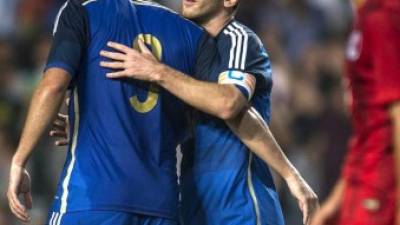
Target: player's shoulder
<point>158,8</point>
<point>239,46</point>
<point>241,41</point>
<point>80,2</point>
<point>238,34</point>
<point>150,5</point>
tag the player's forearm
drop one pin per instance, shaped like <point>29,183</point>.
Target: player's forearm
<point>395,116</point>
<point>45,104</point>
<point>335,198</point>
<point>252,130</point>
<point>223,101</point>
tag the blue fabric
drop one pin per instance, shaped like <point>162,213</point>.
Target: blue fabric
<point>127,133</point>
<point>217,166</point>
<point>223,197</point>
<point>105,218</point>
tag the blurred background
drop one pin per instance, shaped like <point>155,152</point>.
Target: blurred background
<point>304,38</point>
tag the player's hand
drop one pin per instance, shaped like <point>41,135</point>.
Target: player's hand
<point>60,129</point>
<point>307,199</point>
<point>19,185</point>
<point>130,63</point>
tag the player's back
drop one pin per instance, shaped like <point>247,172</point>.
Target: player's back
<point>124,133</point>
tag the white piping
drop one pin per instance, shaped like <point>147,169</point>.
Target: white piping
<point>239,46</point>
<point>58,17</point>
<point>232,52</point>
<point>59,219</point>
<point>88,2</point>
<point>251,189</point>
<point>55,219</point>
<point>51,219</point>
<point>245,44</point>
<point>63,207</point>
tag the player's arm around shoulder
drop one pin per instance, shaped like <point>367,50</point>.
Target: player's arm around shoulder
<point>221,100</point>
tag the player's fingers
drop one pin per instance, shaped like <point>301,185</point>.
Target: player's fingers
<point>59,124</point>
<point>67,103</point>
<point>119,74</point>
<point>16,213</point>
<point>112,65</point>
<point>143,48</point>
<point>61,143</point>
<point>57,128</point>
<point>28,200</point>
<point>58,133</point>
<point>62,117</point>
<point>113,55</point>
<point>304,209</point>
<point>313,208</point>
<point>17,208</point>
<point>119,47</point>
<point>17,203</point>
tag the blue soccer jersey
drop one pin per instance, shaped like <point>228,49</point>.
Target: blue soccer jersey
<point>123,132</point>
<point>222,182</point>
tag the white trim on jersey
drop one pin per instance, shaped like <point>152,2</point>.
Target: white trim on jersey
<point>232,51</point>
<point>245,44</point>
<point>239,45</point>
<point>252,191</point>
<point>88,2</point>
<point>59,219</point>
<point>239,40</point>
<point>65,184</point>
<point>58,17</point>
<point>52,218</point>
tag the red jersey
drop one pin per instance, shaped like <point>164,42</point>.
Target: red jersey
<point>373,63</point>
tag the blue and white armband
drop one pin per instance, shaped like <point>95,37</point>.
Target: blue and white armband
<point>244,81</point>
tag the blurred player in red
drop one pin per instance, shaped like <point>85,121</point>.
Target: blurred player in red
<point>369,191</point>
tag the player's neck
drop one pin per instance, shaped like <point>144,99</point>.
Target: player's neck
<point>214,25</point>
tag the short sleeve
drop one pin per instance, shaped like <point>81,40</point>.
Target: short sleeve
<point>386,59</point>
<point>70,38</point>
<point>245,62</point>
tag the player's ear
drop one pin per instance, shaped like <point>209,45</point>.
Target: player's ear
<point>231,4</point>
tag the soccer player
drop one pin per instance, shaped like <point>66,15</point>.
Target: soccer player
<point>222,182</point>
<point>368,192</point>
<point>121,164</point>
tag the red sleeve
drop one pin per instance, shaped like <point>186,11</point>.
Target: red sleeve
<point>385,41</point>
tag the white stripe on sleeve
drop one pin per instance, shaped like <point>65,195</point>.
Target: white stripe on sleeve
<point>238,55</point>
<point>58,17</point>
<point>245,44</point>
<point>233,46</point>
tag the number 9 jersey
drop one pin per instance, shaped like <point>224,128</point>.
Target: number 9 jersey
<point>123,132</point>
